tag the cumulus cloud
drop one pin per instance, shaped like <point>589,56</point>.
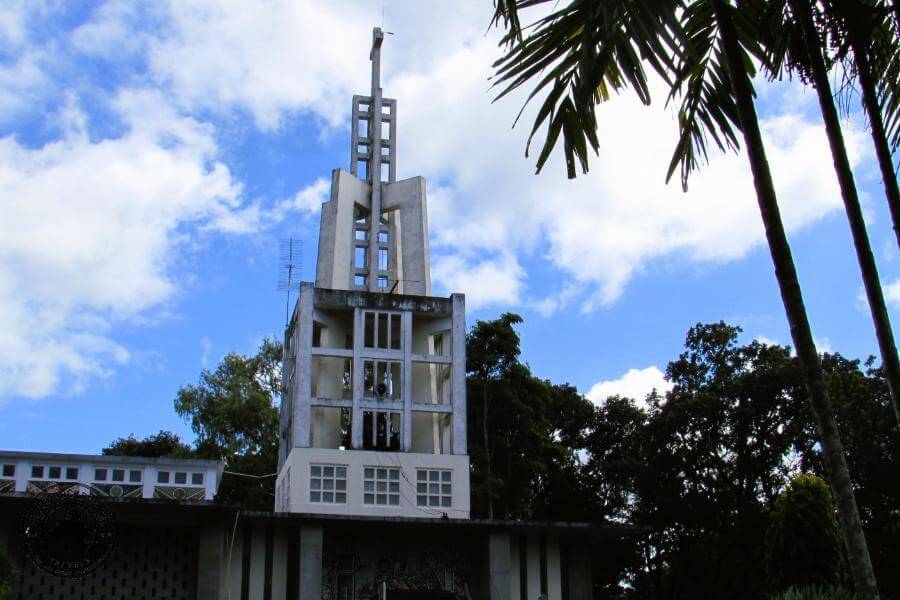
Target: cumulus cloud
<point>634,383</point>
<point>485,281</point>
<point>891,293</point>
<point>600,230</point>
<point>88,231</point>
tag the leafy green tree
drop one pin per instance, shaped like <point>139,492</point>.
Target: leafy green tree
<point>164,443</point>
<point>814,593</point>
<point>716,451</point>
<point>519,467</point>
<point>7,573</point>
<point>233,411</point>
<point>803,542</point>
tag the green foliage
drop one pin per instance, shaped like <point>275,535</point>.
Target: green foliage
<point>803,543</point>
<point>7,573</point>
<point>164,443</point>
<point>233,412</point>
<point>814,593</point>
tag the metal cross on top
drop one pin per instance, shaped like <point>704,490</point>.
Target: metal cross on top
<point>373,145</point>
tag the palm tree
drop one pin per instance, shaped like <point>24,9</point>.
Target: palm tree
<point>863,29</point>
<point>808,59</point>
<point>712,75</point>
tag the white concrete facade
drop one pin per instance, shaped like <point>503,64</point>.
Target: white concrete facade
<point>374,366</point>
<point>116,476</point>
<point>412,495</point>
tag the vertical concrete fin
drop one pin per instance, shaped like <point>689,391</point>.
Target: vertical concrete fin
<point>498,555</point>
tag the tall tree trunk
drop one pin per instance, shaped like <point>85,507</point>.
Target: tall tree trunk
<point>864,256</point>
<point>792,297</point>
<point>879,138</point>
<point>487,447</point>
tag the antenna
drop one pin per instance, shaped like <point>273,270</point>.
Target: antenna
<point>289,251</point>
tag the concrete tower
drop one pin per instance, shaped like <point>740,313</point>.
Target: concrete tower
<point>373,419</point>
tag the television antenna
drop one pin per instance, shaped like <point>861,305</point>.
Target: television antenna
<point>289,251</point>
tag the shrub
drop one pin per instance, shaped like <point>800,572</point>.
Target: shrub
<point>803,541</point>
<point>812,592</point>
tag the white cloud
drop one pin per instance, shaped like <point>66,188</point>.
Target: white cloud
<point>766,341</point>
<point>310,198</point>
<point>88,230</point>
<point>600,230</point>
<point>484,281</point>
<point>635,384</point>
<point>891,293</point>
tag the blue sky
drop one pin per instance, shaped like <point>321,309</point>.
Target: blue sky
<point>152,155</point>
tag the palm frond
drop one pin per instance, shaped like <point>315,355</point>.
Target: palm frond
<point>578,56</point>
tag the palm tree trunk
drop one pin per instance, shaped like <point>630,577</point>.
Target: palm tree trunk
<point>879,137</point>
<point>850,196</point>
<point>792,297</point>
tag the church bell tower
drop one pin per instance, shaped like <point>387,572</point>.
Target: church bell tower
<point>373,417</point>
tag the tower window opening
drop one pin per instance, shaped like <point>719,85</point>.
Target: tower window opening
<point>383,282</point>
<point>362,235</point>
<point>359,281</point>
<point>359,257</point>
<point>360,214</point>
<point>383,237</point>
<point>385,171</point>
<point>382,379</point>
<point>383,259</point>
<point>381,430</point>
<point>381,329</point>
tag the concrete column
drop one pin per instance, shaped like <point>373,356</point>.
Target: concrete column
<point>356,423</point>
<point>533,566</point>
<point>514,575</point>
<point>458,374</point>
<point>209,481</point>
<point>234,560</point>
<point>23,472</point>
<point>210,561</point>
<point>311,562</point>
<point>554,569</point>
<point>581,583</point>
<point>303,367</point>
<point>498,555</point>
<point>257,562</point>
<point>406,328</point>
<point>148,482</point>
<point>279,564</point>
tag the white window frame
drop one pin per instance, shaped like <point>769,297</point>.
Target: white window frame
<point>381,482</point>
<point>334,484</point>
<point>434,488</point>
